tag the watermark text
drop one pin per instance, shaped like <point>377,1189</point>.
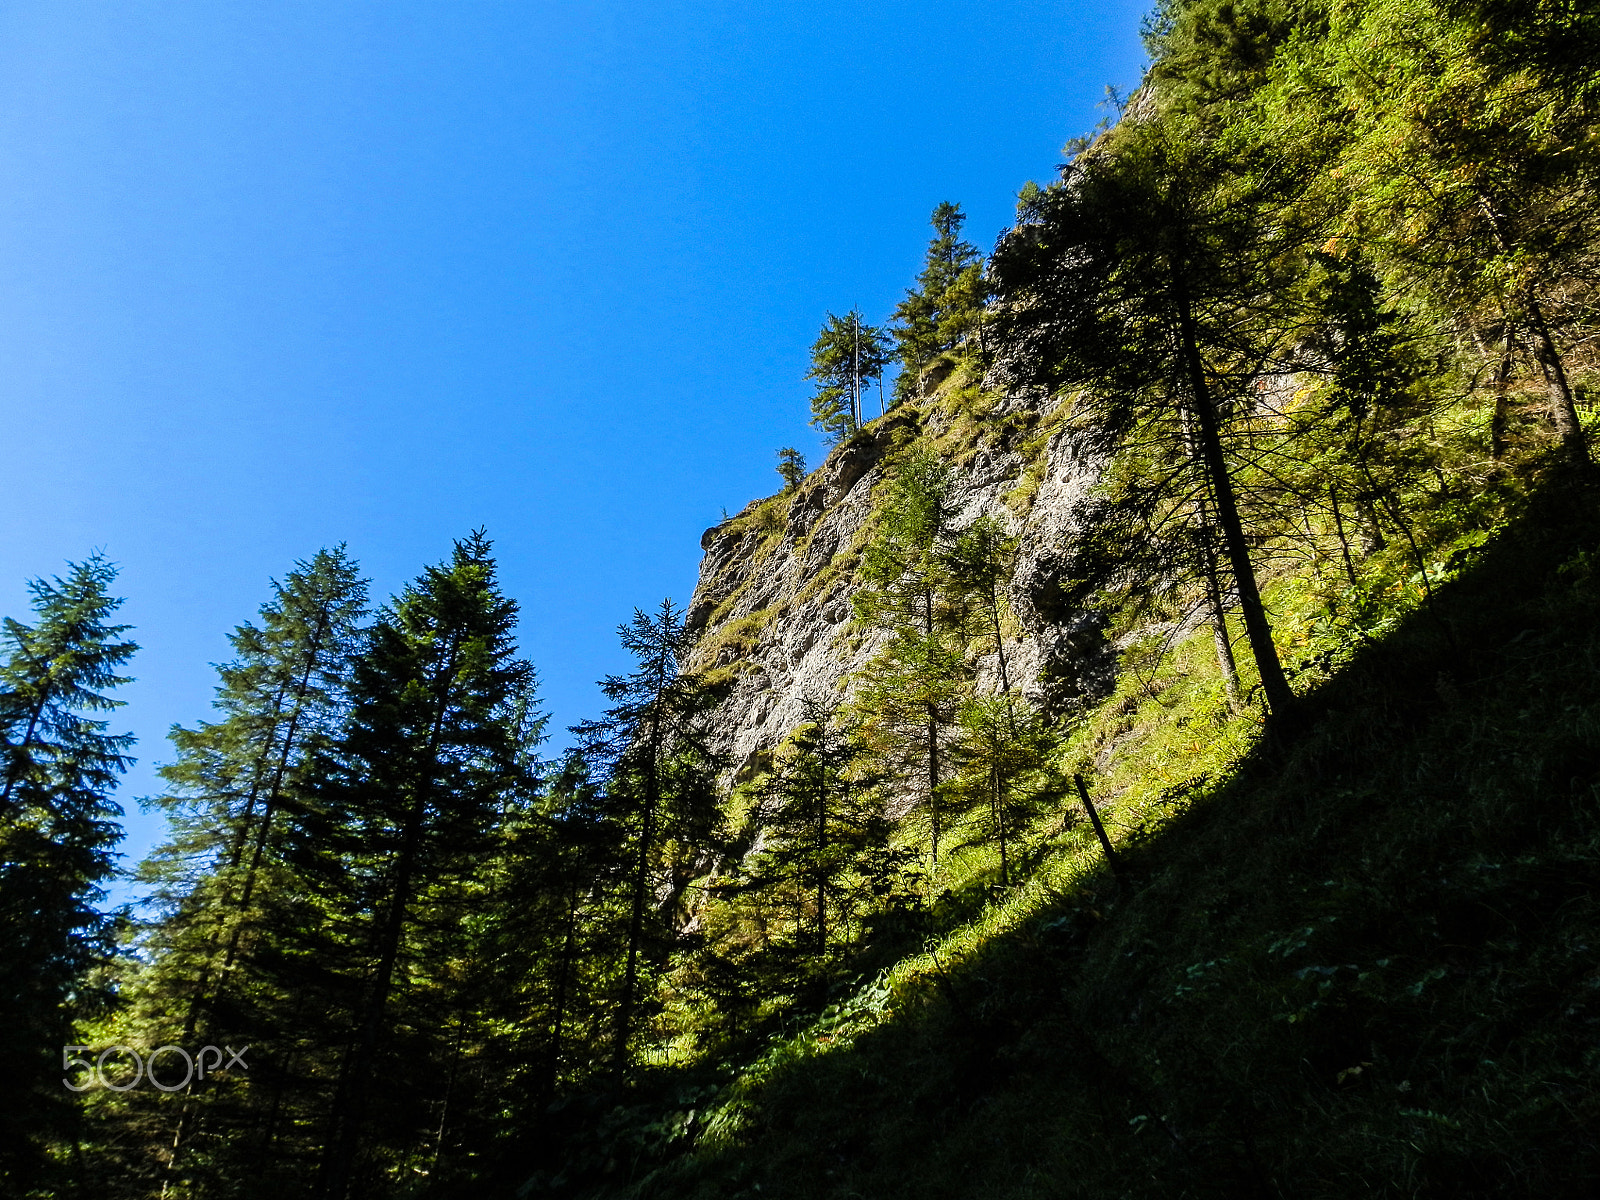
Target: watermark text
<point>110,1067</point>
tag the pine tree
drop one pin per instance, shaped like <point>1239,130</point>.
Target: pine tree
<point>402,822</point>
<point>652,748</point>
<point>230,899</point>
<point>58,827</point>
<point>561,868</point>
<point>847,355</point>
<point>945,306</point>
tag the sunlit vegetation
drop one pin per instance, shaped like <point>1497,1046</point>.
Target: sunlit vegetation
<point>1318,313</point>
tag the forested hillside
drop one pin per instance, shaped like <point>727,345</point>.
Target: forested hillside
<point>1158,755</point>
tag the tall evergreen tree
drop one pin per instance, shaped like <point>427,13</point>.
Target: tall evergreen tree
<point>847,355</point>
<point>944,307</point>
<point>977,567</point>
<point>58,827</point>
<point>280,701</point>
<point>408,801</point>
<point>652,747</point>
<point>1148,279</point>
<point>230,898</point>
<point>564,855</point>
<point>820,813</point>
<point>911,692</point>
<point>1002,753</point>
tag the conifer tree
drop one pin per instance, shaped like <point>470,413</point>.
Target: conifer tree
<point>1149,279</point>
<point>402,825</point>
<point>1003,753</point>
<point>231,899</point>
<point>944,307</point>
<point>279,701</point>
<point>561,863</point>
<point>58,827</point>
<point>847,355</point>
<point>1473,188</point>
<point>820,812</point>
<point>912,689</point>
<point>792,467</point>
<point>977,567</point>
<point>652,748</point>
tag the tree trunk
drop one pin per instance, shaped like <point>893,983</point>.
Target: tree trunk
<point>933,734</point>
<point>1218,613</point>
<point>822,847</point>
<point>1344,542</point>
<point>1000,825</point>
<point>1280,698</point>
<point>1563,410</point>
<point>630,978</point>
<point>1224,647</point>
<point>563,971</point>
<point>1099,829</point>
<point>1502,389</point>
<point>1000,651</point>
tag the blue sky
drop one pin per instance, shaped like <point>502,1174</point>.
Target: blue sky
<point>276,276</point>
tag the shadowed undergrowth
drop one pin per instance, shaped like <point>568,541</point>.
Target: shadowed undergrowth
<point>1364,963</point>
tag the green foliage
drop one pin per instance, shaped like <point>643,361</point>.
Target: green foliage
<point>401,835</point>
<point>652,746</point>
<point>912,689</point>
<point>1315,311</point>
<point>822,815</point>
<point>946,305</point>
<point>231,901</point>
<point>1161,282</point>
<point>791,467</point>
<point>1004,754</point>
<point>57,832</point>
<point>847,355</point>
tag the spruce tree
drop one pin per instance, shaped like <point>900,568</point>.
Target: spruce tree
<point>977,568</point>
<point>231,901</point>
<point>58,828</point>
<point>945,306</point>
<point>847,355</point>
<point>652,748</point>
<point>911,691</point>
<point>401,827</point>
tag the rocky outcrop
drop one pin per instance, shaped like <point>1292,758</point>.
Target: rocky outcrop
<point>773,600</point>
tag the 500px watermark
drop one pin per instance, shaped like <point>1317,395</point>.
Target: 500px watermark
<point>195,1066</point>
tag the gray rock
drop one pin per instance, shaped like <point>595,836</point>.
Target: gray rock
<point>811,646</point>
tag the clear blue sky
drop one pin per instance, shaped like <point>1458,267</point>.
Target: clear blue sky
<point>275,276</point>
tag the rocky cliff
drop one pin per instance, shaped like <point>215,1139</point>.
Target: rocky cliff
<point>773,602</point>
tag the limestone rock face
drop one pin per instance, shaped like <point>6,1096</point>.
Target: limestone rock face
<point>773,602</point>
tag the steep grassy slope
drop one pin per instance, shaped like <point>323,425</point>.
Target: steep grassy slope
<point>1355,957</point>
<point>1363,963</point>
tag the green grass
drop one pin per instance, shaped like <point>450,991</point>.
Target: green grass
<point>1361,964</point>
